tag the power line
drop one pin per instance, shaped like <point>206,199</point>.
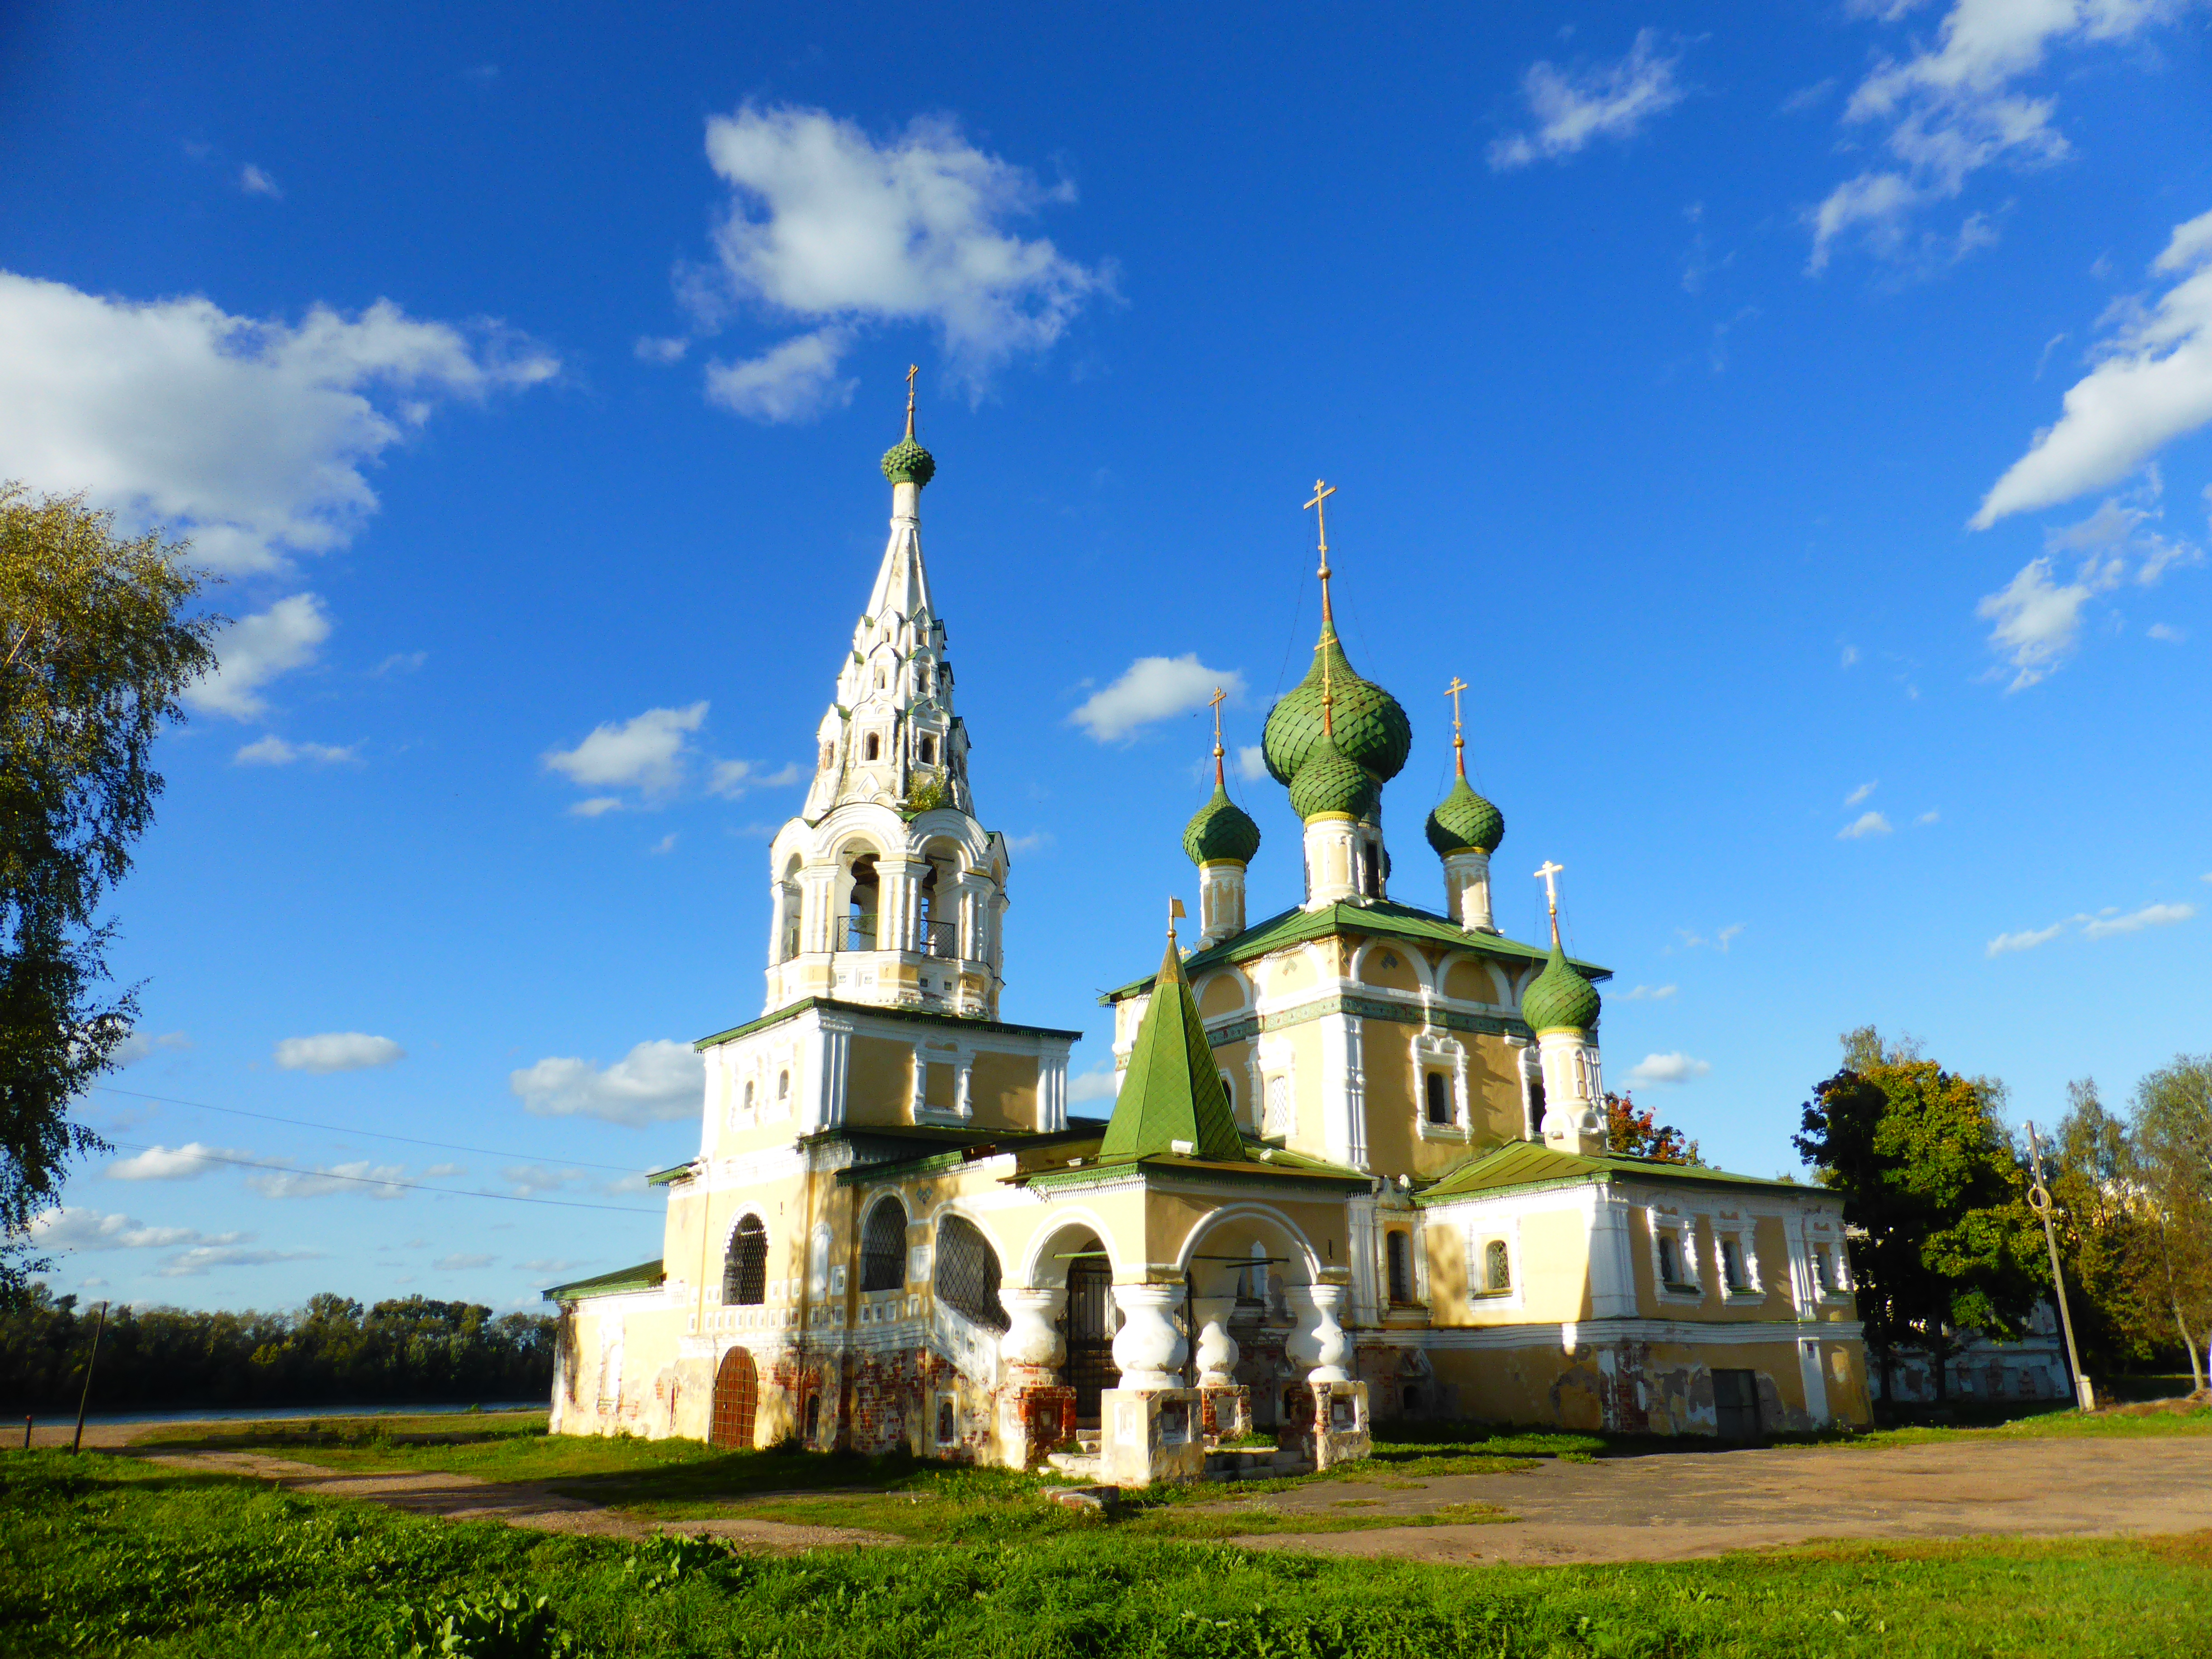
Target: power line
<point>377,1181</point>
<point>337,1129</point>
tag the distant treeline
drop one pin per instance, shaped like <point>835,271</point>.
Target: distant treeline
<point>330,1353</point>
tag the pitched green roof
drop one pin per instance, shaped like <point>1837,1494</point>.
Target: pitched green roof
<point>1260,1163</point>
<point>1372,920</point>
<point>643,1276</point>
<point>1171,1091</point>
<point>1520,1163</point>
<point>960,1022</point>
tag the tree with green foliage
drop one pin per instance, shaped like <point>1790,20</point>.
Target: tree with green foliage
<point>1637,1132</point>
<point>2108,1245</point>
<point>95,652</point>
<point>1946,1243</point>
<point>2173,1141</point>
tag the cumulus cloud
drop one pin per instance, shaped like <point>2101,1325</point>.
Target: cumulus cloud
<point>1102,1083</point>
<point>1676,1067</point>
<point>190,1264</point>
<point>1034,841</point>
<point>1251,763</point>
<point>1644,993</point>
<point>81,1229</point>
<point>2151,915</point>
<point>251,437</point>
<point>648,753</point>
<point>1955,108</point>
<point>462,1263</point>
<point>657,1082</point>
<point>358,1177</point>
<point>173,1162</point>
<point>337,1051</point>
<point>1929,816</point>
<point>662,348</point>
<point>1861,793</point>
<point>596,805</point>
<point>1153,689</point>
<point>829,225</point>
<point>273,750</point>
<point>255,650</point>
<point>2006,944</point>
<point>2151,383</point>
<point>1573,106</point>
<point>2036,621</point>
<point>2166,632</point>
<point>144,1045</point>
<point>1867,823</point>
<point>730,778</point>
<point>254,182</point>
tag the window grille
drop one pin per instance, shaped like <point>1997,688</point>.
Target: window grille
<point>1399,1249</point>
<point>966,1274</point>
<point>1279,1113</point>
<point>882,1248</point>
<point>744,1276</point>
<point>1496,1266</point>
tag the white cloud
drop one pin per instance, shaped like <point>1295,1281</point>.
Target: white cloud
<point>1153,689</point>
<point>254,182</point>
<point>255,650</point>
<point>593,807</point>
<point>273,750</point>
<point>1953,108</point>
<point>337,1051</point>
<point>400,662</point>
<point>454,1264</point>
<point>172,1162</point>
<point>1102,1083</point>
<point>730,778</point>
<point>142,1045</point>
<point>548,1264</point>
<point>1931,816</point>
<point>648,753</point>
<point>665,348</point>
<point>438,1170</point>
<point>2037,621</point>
<point>1251,763</point>
<point>1675,1067</point>
<point>666,844</point>
<point>1861,793</point>
<point>251,437</point>
<point>1722,938</point>
<point>1603,101</point>
<point>359,1177</point>
<point>190,1264</point>
<point>2151,382</point>
<point>80,1229</point>
<point>2166,632</point>
<point>1850,655</point>
<point>796,380</point>
<point>1867,823</point>
<point>657,1082</point>
<point>2151,915</point>
<point>826,225</point>
<point>1644,993</point>
<point>1036,841</point>
<point>2005,943</point>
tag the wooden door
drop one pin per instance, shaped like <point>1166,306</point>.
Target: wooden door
<point>737,1394</point>
<point>1735,1405</point>
<point>1090,1320</point>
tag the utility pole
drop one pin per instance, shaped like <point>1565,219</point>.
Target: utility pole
<point>90,1360</point>
<point>2039,1200</point>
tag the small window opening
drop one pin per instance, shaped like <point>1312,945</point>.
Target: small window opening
<point>748,1097</point>
<point>1412,1399</point>
<point>882,1248</point>
<point>1824,1273</point>
<point>948,1429</point>
<point>744,1274</point>
<point>1439,1104</point>
<point>870,747</point>
<point>1496,1266</point>
<point>813,1415</point>
<point>1228,1093</point>
<point>1400,1250</point>
<point>1670,1258</point>
<point>1732,1265</point>
<point>782,1086</point>
<point>929,751</point>
<point>883,683</point>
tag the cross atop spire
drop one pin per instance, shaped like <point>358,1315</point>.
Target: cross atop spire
<point>912,370</point>
<point>1547,875</point>
<point>1321,492</point>
<point>1459,743</point>
<point>1218,697</point>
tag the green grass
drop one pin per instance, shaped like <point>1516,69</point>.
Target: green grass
<point>106,1554</point>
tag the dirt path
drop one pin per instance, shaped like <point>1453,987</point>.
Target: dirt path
<point>1681,1505</point>
<point>518,1503</point>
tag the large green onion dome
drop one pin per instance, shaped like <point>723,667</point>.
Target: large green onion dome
<point>1332,782</point>
<point>908,462</point>
<point>1464,820</point>
<point>1220,829</point>
<point>1561,999</point>
<point>1371,729</point>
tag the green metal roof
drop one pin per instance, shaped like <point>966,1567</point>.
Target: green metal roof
<point>1369,727</point>
<point>1465,820</point>
<point>1259,1162</point>
<point>1220,829</point>
<point>1524,1164</point>
<point>977,1146</point>
<point>643,1276</point>
<point>1171,1090</point>
<point>1561,999</point>
<point>928,1016</point>
<point>907,461</point>
<point>674,1172</point>
<point>1331,781</point>
<point>1375,920</point>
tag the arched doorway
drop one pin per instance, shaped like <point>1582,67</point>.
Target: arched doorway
<point>737,1395</point>
<point>1090,1369</point>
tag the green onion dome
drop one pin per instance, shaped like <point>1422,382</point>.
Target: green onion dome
<point>1371,730</point>
<point>1561,999</point>
<point>1221,830</point>
<point>908,462</point>
<point>1331,781</point>
<point>1463,820</point>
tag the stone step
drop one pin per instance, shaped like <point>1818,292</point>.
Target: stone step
<point>1251,1463</point>
<point>1081,1467</point>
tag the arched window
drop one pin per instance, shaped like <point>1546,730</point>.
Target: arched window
<point>1439,1103</point>
<point>871,747</point>
<point>749,1095</point>
<point>744,1274</point>
<point>1496,1268</point>
<point>882,1247</point>
<point>1670,1260</point>
<point>1399,1248</point>
<point>965,1275</point>
<point>782,1087</point>
<point>929,751</point>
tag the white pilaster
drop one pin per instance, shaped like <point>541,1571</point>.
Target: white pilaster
<point>1466,889</point>
<point>1220,900</point>
<point>1332,872</point>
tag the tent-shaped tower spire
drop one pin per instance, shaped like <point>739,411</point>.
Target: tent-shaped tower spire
<point>1172,1092</point>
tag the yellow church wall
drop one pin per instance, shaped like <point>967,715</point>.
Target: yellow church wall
<point>1002,1090</point>
<point>1469,981</point>
<point>1224,993</point>
<point>878,1080</point>
<point>1493,1091</point>
<point>1387,966</point>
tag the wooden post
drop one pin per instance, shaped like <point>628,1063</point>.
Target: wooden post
<point>90,1360</point>
<point>2039,1200</point>
<point>27,1431</point>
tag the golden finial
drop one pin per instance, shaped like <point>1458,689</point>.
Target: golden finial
<point>1175,913</point>
<point>1321,492</point>
<point>1218,697</point>
<point>912,370</point>
<point>1552,895</point>
<point>1459,743</point>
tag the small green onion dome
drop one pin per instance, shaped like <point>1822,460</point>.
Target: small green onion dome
<point>1561,999</point>
<point>1462,820</point>
<point>1221,830</point>
<point>908,462</point>
<point>1371,729</point>
<point>1332,782</point>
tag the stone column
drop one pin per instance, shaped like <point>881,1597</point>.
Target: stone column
<point>1218,1353</point>
<point>1148,1347</point>
<point>1319,1346</point>
<point>1032,1348</point>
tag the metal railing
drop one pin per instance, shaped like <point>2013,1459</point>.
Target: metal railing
<point>865,933</point>
<point>855,934</point>
<point>941,939</point>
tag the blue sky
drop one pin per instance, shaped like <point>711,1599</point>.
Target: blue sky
<point>1797,433</point>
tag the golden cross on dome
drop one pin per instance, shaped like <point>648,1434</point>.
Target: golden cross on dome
<point>1218,697</point>
<point>1321,492</point>
<point>912,370</point>
<point>1459,743</point>
<point>1546,875</point>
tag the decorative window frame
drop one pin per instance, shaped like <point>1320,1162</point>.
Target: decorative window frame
<point>1682,1226</point>
<point>1434,1051</point>
<point>945,1408</point>
<point>1408,1223</point>
<point>1482,1233</point>
<point>1274,1059</point>
<point>1740,1230</point>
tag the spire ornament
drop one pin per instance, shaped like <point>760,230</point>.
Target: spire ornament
<point>1459,743</point>
<point>1321,492</point>
<point>1548,875</point>
<point>1561,999</point>
<point>907,461</point>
